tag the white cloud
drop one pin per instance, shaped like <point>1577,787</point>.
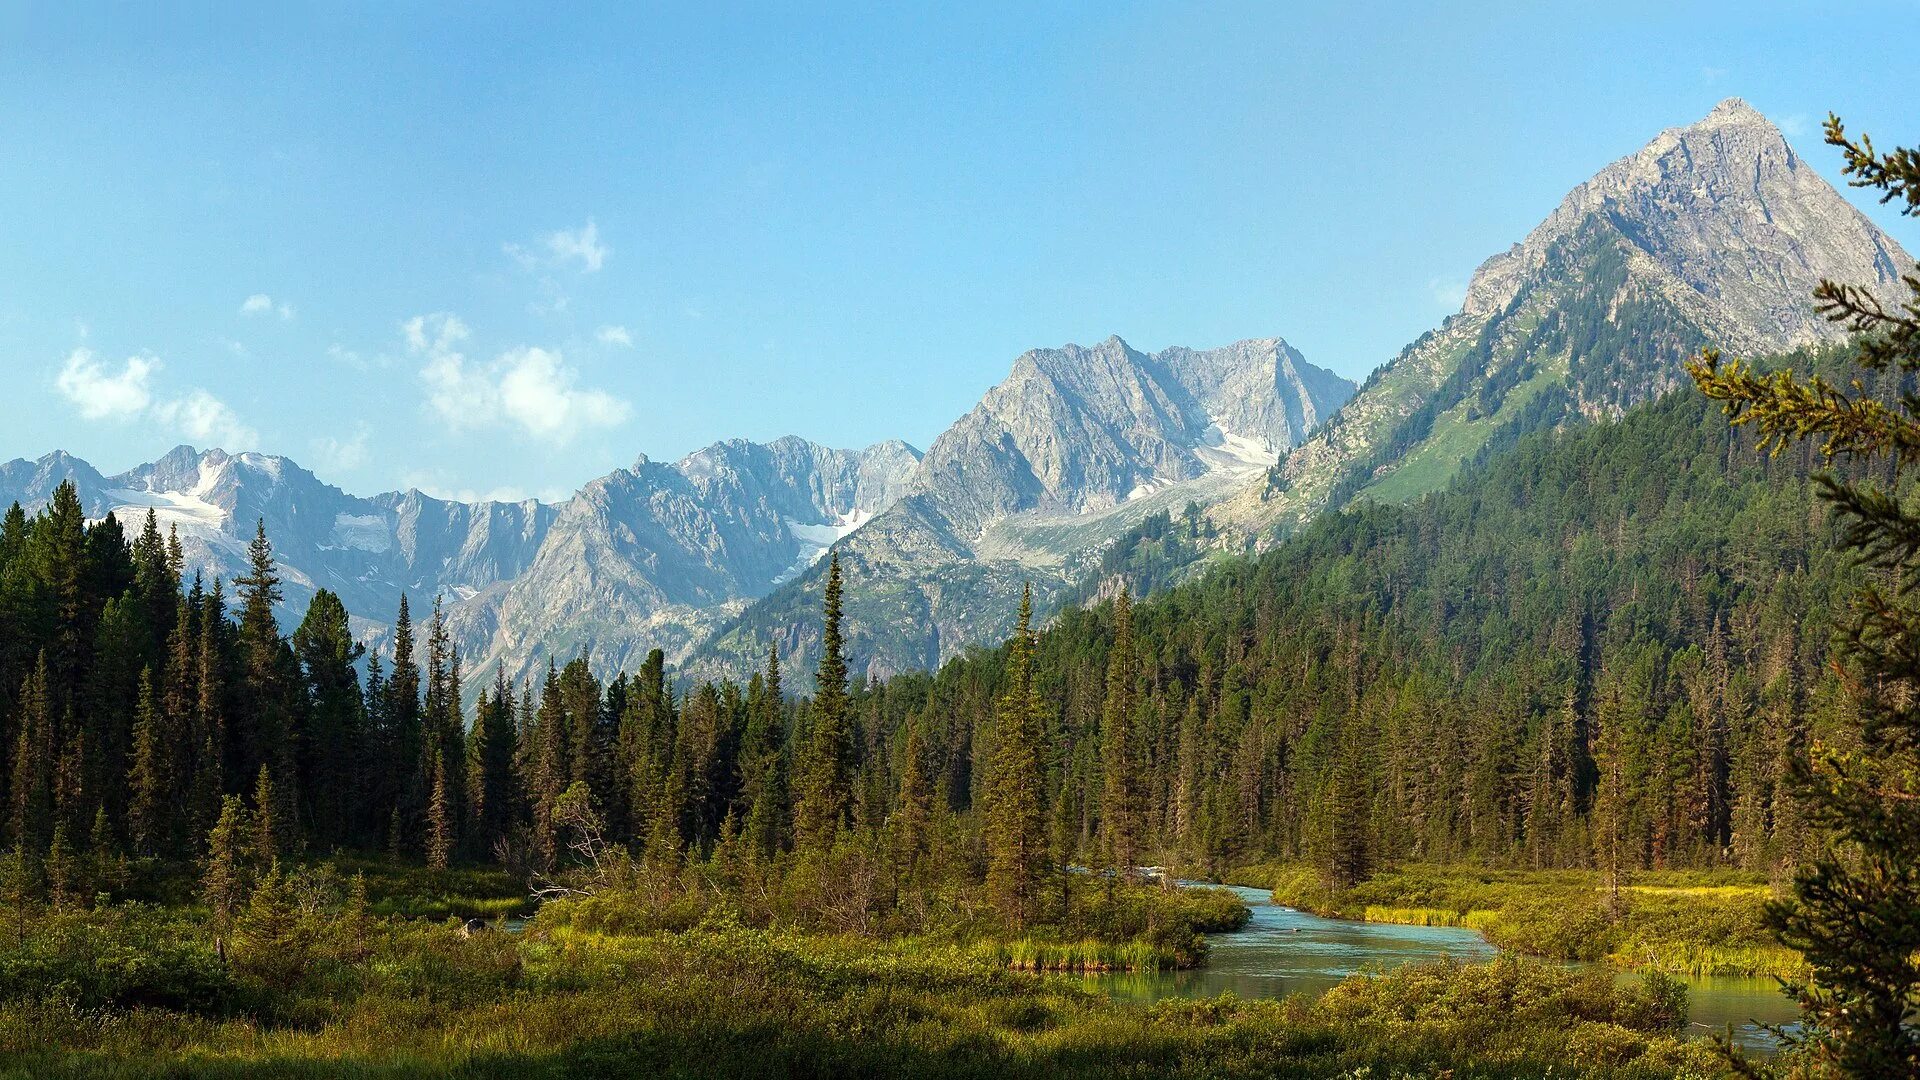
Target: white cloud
<point>562,247</point>
<point>99,393</point>
<point>615,335</point>
<point>530,387</point>
<point>436,333</point>
<point>262,304</point>
<point>333,455</point>
<point>205,419</point>
<point>102,395</point>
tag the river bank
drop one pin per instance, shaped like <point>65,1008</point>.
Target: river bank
<point>1690,923</point>
<point>1284,951</point>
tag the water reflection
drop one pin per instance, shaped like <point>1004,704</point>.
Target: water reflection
<point>1282,951</point>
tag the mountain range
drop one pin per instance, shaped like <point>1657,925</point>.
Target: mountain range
<point>1715,232</point>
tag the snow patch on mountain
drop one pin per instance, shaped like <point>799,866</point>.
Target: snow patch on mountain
<point>816,539</point>
<point>362,532</point>
<point>187,510</point>
<point>1221,449</point>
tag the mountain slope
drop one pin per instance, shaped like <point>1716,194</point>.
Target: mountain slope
<point>655,555</point>
<point>1715,232</point>
<point>366,550</point>
<point>1073,447</point>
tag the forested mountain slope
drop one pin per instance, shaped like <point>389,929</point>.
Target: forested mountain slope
<point>1448,677</point>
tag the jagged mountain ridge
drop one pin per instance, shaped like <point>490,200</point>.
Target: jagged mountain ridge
<point>1713,233</point>
<point>366,550</point>
<point>653,556</point>
<point>1075,445</point>
<point>755,514</point>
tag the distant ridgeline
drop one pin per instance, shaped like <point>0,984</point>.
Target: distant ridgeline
<point>1451,678</point>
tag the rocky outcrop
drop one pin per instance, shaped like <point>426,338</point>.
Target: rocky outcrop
<point>1713,233</point>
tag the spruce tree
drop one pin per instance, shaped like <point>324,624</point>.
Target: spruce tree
<point>826,789</point>
<point>269,831</point>
<point>65,887</point>
<point>1016,815</point>
<point>32,818</point>
<point>440,827</point>
<point>1855,908</point>
<point>333,731</point>
<point>151,796</point>
<point>1120,794</point>
<point>223,874</point>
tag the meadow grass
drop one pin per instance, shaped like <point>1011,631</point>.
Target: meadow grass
<point>1682,922</point>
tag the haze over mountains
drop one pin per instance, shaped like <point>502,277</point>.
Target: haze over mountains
<point>1714,232</point>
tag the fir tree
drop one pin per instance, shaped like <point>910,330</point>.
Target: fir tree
<point>269,833</point>
<point>65,887</point>
<point>1855,909</point>
<point>333,731</point>
<point>152,798</point>
<point>32,818</point>
<point>825,794</point>
<point>20,892</point>
<point>440,828</point>
<point>1016,816</point>
<point>223,873</point>
<point>1120,794</point>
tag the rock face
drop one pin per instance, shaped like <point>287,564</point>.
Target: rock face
<point>1075,445</point>
<point>655,555</point>
<point>643,557</point>
<point>367,550</point>
<point>1713,233</point>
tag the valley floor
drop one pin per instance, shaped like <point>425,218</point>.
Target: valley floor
<point>391,983</point>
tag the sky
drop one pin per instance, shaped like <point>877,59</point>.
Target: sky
<point>490,251</point>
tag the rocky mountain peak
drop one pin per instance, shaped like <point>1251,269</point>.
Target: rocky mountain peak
<point>1725,210</point>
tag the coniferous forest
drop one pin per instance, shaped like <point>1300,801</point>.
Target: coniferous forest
<point>1615,627</point>
<point>1598,652</point>
<point>1631,705</point>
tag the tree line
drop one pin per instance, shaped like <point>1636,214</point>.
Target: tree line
<point>1592,651</point>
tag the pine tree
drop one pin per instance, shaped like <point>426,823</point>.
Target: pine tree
<point>1120,795</point>
<point>493,801</point>
<point>1016,816</point>
<point>223,874</point>
<point>440,828</point>
<point>152,797</point>
<point>912,819</point>
<point>266,690</point>
<point>333,732</point>
<point>1855,909</point>
<point>763,756</point>
<point>20,892</point>
<point>269,831</point>
<point>107,864</point>
<point>270,947</point>
<point>65,889</point>
<point>826,790</point>
<point>400,790</point>
<point>32,818</point>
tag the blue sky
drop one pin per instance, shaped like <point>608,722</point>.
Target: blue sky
<point>490,252</point>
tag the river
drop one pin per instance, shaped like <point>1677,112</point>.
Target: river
<point>1283,951</point>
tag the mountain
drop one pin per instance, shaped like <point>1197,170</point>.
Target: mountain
<point>1715,232</point>
<point>366,550</point>
<point>643,557</point>
<point>655,555</point>
<point>1072,448</point>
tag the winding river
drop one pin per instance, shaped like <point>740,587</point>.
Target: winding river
<point>1282,951</point>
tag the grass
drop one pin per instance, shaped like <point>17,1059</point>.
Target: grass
<point>1685,923</point>
<point>722,999</point>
